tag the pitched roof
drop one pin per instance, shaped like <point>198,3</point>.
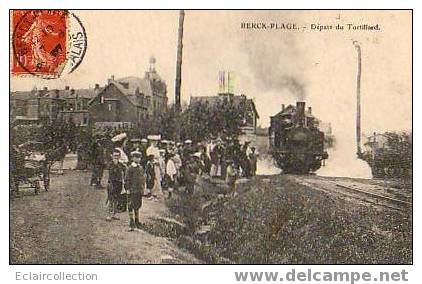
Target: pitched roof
<point>23,95</point>
<point>63,94</point>
<point>213,100</point>
<point>131,84</point>
<point>291,109</point>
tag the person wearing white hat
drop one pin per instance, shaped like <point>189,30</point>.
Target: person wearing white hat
<point>119,144</point>
<point>119,137</point>
<point>187,149</point>
<point>143,149</point>
<point>153,150</point>
<point>171,175</point>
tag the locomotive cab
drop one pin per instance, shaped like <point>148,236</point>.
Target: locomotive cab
<point>296,142</point>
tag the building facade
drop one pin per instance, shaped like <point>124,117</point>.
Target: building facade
<point>128,100</point>
<point>48,105</point>
<point>241,102</point>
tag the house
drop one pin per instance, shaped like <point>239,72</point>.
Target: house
<point>126,100</point>
<point>130,100</point>
<point>75,104</point>
<point>374,143</point>
<point>250,114</point>
<point>35,105</point>
<point>48,105</point>
<point>18,104</point>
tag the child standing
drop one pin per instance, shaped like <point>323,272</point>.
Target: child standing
<point>134,185</point>
<point>171,173</point>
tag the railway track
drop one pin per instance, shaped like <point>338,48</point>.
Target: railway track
<point>364,196</point>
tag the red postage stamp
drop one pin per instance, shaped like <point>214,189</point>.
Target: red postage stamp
<point>39,42</point>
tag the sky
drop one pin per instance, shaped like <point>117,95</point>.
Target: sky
<point>271,66</point>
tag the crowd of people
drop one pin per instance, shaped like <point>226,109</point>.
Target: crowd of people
<point>153,168</point>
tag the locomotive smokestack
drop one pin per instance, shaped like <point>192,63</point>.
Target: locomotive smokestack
<point>282,106</point>
<point>300,113</point>
<point>358,78</point>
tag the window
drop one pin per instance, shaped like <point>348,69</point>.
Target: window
<point>85,120</point>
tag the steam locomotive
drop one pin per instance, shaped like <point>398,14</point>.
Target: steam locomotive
<point>296,143</point>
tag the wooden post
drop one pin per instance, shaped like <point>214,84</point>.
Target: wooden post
<point>358,78</point>
<point>179,61</point>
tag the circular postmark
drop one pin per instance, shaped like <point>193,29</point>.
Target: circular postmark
<point>47,43</point>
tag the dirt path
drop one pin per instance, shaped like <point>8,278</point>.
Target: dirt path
<point>67,225</point>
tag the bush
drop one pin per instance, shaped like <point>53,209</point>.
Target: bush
<point>292,224</point>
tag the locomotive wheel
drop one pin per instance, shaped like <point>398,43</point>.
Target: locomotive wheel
<point>296,167</point>
<point>378,172</point>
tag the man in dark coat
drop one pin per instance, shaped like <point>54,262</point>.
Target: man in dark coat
<point>143,149</point>
<point>244,160</point>
<point>150,175</point>
<point>191,170</point>
<point>115,184</point>
<point>134,185</point>
<point>98,163</point>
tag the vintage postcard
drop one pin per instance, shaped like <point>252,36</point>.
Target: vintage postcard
<point>211,137</point>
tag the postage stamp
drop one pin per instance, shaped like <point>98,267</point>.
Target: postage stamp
<point>46,43</point>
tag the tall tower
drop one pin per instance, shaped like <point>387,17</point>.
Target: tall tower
<point>152,62</point>
<point>179,61</point>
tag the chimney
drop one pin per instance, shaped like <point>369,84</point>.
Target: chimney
<point>309,110</point>
<point>137,91</point>
<point>282,107</point>
<point>57,93</point>
<point>66,88</point>
<point>111,79</point>
<point>96,89</point>
<point>44,90</point>
<point>300,113</point>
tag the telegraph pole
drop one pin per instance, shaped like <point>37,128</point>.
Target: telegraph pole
<point>358,78</point>
<point>179,61</point>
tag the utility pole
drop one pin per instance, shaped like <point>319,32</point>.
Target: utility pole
<point>179,62</point>
<point>358,78</point>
